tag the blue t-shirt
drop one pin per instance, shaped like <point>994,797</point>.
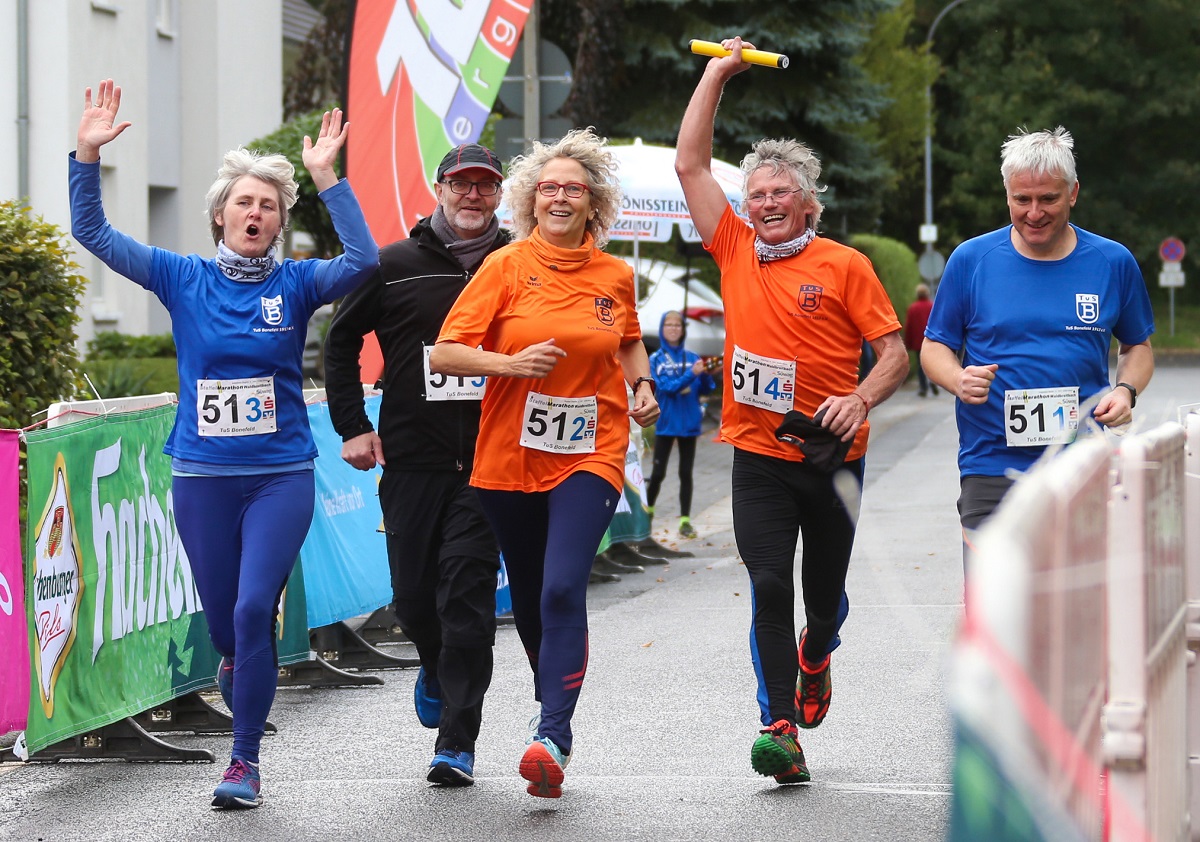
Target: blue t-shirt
<point>226,329</point>
<point>1046,323</point>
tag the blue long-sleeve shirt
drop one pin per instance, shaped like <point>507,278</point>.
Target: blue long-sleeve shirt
<point>226,329</point>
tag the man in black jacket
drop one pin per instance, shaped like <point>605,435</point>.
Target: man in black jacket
<point>443,556</point>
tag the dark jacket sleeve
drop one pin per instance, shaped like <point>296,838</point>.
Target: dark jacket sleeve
<point>355,318</point>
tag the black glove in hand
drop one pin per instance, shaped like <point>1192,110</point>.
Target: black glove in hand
<point>821,448</point>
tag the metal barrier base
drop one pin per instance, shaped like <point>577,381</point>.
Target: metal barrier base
<point>382,627</point>
<point>320,673</point>
<point>122,740</point>
<point>189,713</point>
<point>346,649</point>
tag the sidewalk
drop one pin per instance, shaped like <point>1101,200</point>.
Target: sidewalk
<point>664,724</point>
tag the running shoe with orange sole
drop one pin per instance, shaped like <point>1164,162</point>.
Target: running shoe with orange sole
<point>814,690</point>
<point>542,765</point>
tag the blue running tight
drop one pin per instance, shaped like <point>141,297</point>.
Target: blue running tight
<point>243,535</point>
<point>549,540</point>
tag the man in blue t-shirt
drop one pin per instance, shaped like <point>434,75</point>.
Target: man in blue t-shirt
<point>1031,311</point>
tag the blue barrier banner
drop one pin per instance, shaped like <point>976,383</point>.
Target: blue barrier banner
<point>345,555</point>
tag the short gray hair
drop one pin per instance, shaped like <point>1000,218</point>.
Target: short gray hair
<point>275,170</point>
<point>1039,153</point>
<point>591,152</point>
<point>795,158</point>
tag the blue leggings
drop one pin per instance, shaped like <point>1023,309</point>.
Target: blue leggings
<point>243,535</point>
<point>549,540</point>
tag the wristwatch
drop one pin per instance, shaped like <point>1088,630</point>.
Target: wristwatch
<point>1132,394</point>
<point>641,380</point>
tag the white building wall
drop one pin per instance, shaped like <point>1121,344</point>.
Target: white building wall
<point>198,77</point>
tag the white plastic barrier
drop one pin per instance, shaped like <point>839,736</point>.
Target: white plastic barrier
<point>1191,524</point>
<point>1145,720</point>
<point>65,412</point>
<point>1033,656</point>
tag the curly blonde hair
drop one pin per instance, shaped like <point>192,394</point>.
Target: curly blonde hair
<point>793,157</point>
<point>275,170</point>
<point>590,150</point>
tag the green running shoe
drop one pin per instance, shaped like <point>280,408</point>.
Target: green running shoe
<point>777,753</point>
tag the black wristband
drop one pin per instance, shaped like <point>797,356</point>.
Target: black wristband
<point>1132,394</point>
<point>641,380</point>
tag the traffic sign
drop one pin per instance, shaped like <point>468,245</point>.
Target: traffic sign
<point>1172,250</point>
<point>930,265</point>
<point>1171,275</point>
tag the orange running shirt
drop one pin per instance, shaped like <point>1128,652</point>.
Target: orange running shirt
<point>528,292</point>
<point>815,308</point>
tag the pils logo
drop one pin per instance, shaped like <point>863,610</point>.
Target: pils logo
<point>1087,307</point>
<point>604,311</point>
<point>57,586</point>
<point>809,297</point>
<point>272,309</point>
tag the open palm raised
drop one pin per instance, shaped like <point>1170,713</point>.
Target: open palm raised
<point>98,124</point>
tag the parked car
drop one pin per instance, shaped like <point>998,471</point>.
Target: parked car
<point>668,287</point>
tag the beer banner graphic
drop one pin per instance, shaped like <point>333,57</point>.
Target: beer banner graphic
<point>345,553</point>
<point>632,520</point>
<point>14,643</point>
<point>114,621</point>
<point>422,76</point>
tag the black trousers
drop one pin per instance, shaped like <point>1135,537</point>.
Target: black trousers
<point>444,560</point>
<point>775,502</point>
<point>658,472</point>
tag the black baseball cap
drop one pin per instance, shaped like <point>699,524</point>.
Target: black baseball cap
<point>469,156</point>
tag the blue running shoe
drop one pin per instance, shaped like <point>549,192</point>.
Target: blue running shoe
<point>225,682</point>
<point>427,698</point>
<point>452,768</point>
<point>241,788</point>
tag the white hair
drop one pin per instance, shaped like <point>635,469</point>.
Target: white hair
<point>1039,153</point>
<point>275,170</point>
<point>791,156</point>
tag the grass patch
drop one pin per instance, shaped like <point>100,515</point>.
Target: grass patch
<point>1187,328</point>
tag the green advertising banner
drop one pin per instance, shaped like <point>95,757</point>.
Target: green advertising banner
<point>115,623</point>
<point>632,519</point>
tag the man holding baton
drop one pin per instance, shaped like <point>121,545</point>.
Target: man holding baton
<point>797,310</point>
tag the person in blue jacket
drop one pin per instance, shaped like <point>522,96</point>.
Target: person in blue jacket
<point>241,449</point>
<point>682,378</point>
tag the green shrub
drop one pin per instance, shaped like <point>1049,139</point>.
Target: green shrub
<point>895,264</point>
<point>40,290</point>
<point>111,345</point>
<point>122,378</point>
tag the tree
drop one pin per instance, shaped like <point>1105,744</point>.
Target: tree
<point>40,291</point>
<point>309,214</point>
<point>1122,76</point>
<point>823,98</point>
<point>317,79</point>
<point>903,70</point>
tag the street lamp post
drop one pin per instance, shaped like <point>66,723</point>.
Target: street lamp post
<point>931,265</point>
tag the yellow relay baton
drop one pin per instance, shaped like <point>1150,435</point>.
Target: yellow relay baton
<point>712,48</point>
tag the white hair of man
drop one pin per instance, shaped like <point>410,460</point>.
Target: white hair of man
<point>785,154</point>
<point>1039,153</point>
<point>275,170</point>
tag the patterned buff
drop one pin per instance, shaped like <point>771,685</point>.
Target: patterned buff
<point>767,252</point>
<point>248,270</point>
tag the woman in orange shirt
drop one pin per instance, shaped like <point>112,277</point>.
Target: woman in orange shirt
<point>551,320</point>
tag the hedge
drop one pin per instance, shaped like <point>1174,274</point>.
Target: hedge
<point>40,291</point>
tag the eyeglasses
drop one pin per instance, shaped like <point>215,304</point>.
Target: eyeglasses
<point>573,189</point>
<point>757,199</point>
<point>462,188</point>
